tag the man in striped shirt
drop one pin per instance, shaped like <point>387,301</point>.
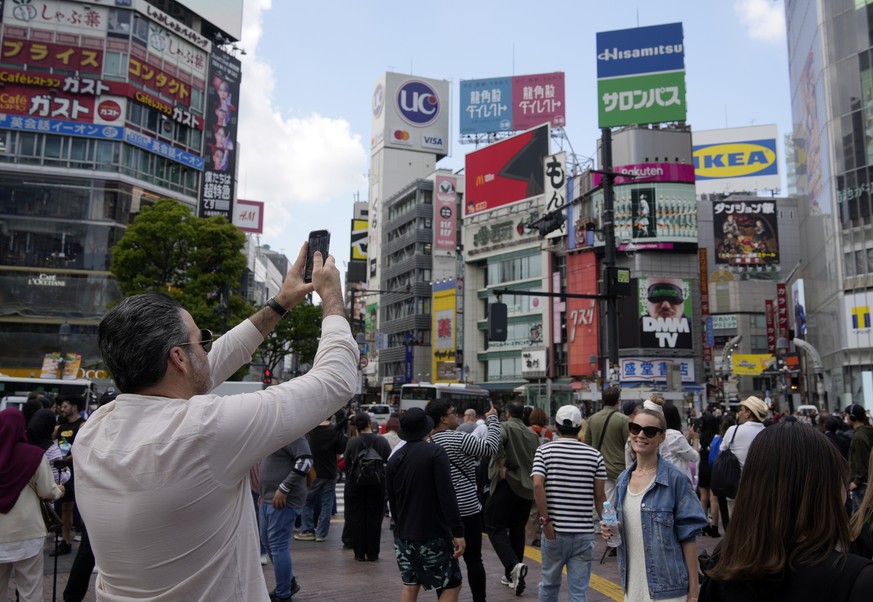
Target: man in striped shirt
<point>464,452</point>
<point>569,480</point>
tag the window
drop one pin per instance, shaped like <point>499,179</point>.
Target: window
<point>54,147</point>
<point>27,144</point>
<point>196,100</point>
<point>115,64</point>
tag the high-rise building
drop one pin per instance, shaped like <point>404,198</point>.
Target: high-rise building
<point>106,107</point>
<point>830,52</point>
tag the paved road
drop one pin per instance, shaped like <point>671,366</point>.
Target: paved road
<point>328,572</point>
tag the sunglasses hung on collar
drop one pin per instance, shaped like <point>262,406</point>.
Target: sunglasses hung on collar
<point>648,431</point>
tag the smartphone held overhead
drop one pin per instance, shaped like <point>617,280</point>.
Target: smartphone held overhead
<point>319,240</point>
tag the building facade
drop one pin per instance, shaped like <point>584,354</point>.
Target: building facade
<point>105,109</point>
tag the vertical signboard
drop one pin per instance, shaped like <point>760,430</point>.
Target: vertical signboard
<point>581,315</point>
<point>798,294</point>
<point>665,313</point>
<point>444,368</point>
<point>781,311</point>
<point>359,240</point>
<point>222,105</point>
<point>555,171</point>
<point>770,317</point>
<point>444,210</point>
<point>641,75</point>
<point>703,266</point>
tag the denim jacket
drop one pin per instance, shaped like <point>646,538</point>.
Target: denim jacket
<point>671,514</point>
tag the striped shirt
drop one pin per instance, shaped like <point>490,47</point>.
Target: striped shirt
<point>570,468</point>
<point>464,452</point>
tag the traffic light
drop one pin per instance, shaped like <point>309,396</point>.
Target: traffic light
<point>551,222</point>
<point>268,376</point>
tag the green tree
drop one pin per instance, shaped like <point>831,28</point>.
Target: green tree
<point>197,261</point>
<point>298,332</point>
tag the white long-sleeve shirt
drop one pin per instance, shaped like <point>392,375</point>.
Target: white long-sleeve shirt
<point>162,484</point>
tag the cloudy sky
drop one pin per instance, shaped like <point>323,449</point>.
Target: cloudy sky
<point>310,68</point>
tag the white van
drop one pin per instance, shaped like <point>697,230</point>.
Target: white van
<point>380,412</point>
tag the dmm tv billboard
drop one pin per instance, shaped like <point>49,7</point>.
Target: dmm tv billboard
<point>507,171</point>
<point>501,104</point>
<point>736,159</point>
<point>641,75</point>
<point>411,113</point>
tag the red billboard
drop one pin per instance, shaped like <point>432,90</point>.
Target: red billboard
<point>507,171</point>
<point>582,314</point>
<point>44,55</point>
<point>538,99</point>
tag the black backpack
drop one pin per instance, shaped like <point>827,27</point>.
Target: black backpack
<point>368,467</point>
<point>726,472</point>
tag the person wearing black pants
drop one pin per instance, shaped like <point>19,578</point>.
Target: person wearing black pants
<point>365,504</point>
<point>80,573</point>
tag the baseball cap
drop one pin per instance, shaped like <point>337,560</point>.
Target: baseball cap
<point>568,413</point>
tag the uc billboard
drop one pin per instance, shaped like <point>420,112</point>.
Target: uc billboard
<point>641,75</point>
<point>410,113</point>
<point>736,159</point>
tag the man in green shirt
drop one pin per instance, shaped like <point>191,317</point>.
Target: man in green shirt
<point>508,507</point>
<point>608,433</point>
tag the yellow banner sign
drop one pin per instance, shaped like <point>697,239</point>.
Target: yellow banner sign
<point>751,364</point>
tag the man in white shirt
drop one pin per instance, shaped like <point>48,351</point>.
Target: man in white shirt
<point>163,469</point>
<point>750,416</point>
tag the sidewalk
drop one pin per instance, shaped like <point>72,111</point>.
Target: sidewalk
<point>328,572</point>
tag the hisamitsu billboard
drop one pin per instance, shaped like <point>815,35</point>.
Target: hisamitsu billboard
<point>653,49</point>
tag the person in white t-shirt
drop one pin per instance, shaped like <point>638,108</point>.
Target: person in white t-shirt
<point>750,417</point>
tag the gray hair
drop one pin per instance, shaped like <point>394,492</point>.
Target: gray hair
<point>135,338</point>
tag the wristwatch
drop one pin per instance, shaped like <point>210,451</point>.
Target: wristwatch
<point>545,520</point>
<point>274,305</point>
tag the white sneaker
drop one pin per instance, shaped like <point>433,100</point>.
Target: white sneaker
<point>505,581</point>
<point>519,571</point>
<point>264,560</point>
<point>77,538</point>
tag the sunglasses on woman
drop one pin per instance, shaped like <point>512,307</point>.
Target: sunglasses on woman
<point>205,341</point>
<point>648,431</point>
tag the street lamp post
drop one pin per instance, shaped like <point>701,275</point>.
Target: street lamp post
<point>64,336</point>
<point>784,370</point>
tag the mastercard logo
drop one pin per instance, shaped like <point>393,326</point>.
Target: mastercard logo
<point>401,135</point>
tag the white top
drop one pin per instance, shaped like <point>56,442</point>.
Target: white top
<point>22,532</point>
<point>163,484</point>
<point>637,584</point>
<point>677,451</point>
<point>745,435</point>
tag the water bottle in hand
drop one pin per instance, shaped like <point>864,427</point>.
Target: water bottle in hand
<point>610,519</point>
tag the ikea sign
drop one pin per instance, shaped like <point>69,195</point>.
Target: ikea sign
<point>735,159</point>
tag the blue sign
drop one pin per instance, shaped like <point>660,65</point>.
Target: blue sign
<point>710,337</point>
<point>56,126</point>
<point>407,363</point>
<point>418,103</point>
<point>162,148</point>
<point>486,105</point>
<point>641,50</point>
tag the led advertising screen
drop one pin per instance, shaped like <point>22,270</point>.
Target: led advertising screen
<point>745,232</point>
<point>501,104</point>
<point>507,171</point>
<point>582,315</point>
<point>665,313</point>
<point>222,106</point>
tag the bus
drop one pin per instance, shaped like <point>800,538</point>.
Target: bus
<point>14,389</point>
<point>462,396</point>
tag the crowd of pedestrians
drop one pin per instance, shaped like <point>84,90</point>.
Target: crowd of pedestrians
<point>445,475</point>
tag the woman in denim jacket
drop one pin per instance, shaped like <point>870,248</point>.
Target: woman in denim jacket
<point>659,517</point>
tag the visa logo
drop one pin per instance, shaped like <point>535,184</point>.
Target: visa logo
<point>433,140</point>
<point>735,159</point>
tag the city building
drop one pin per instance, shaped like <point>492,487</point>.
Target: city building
<point>106,108</point>
<point>830,62</point>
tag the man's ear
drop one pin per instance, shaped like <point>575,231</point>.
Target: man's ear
<point>179,360</point>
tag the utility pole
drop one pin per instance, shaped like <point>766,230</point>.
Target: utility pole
<point>609,258</point>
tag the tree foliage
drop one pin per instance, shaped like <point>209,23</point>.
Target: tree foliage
<point>197,261</point>
<point>298,332</point>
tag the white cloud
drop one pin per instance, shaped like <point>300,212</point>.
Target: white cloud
<point>296,164</point>
<point>763,19</point>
